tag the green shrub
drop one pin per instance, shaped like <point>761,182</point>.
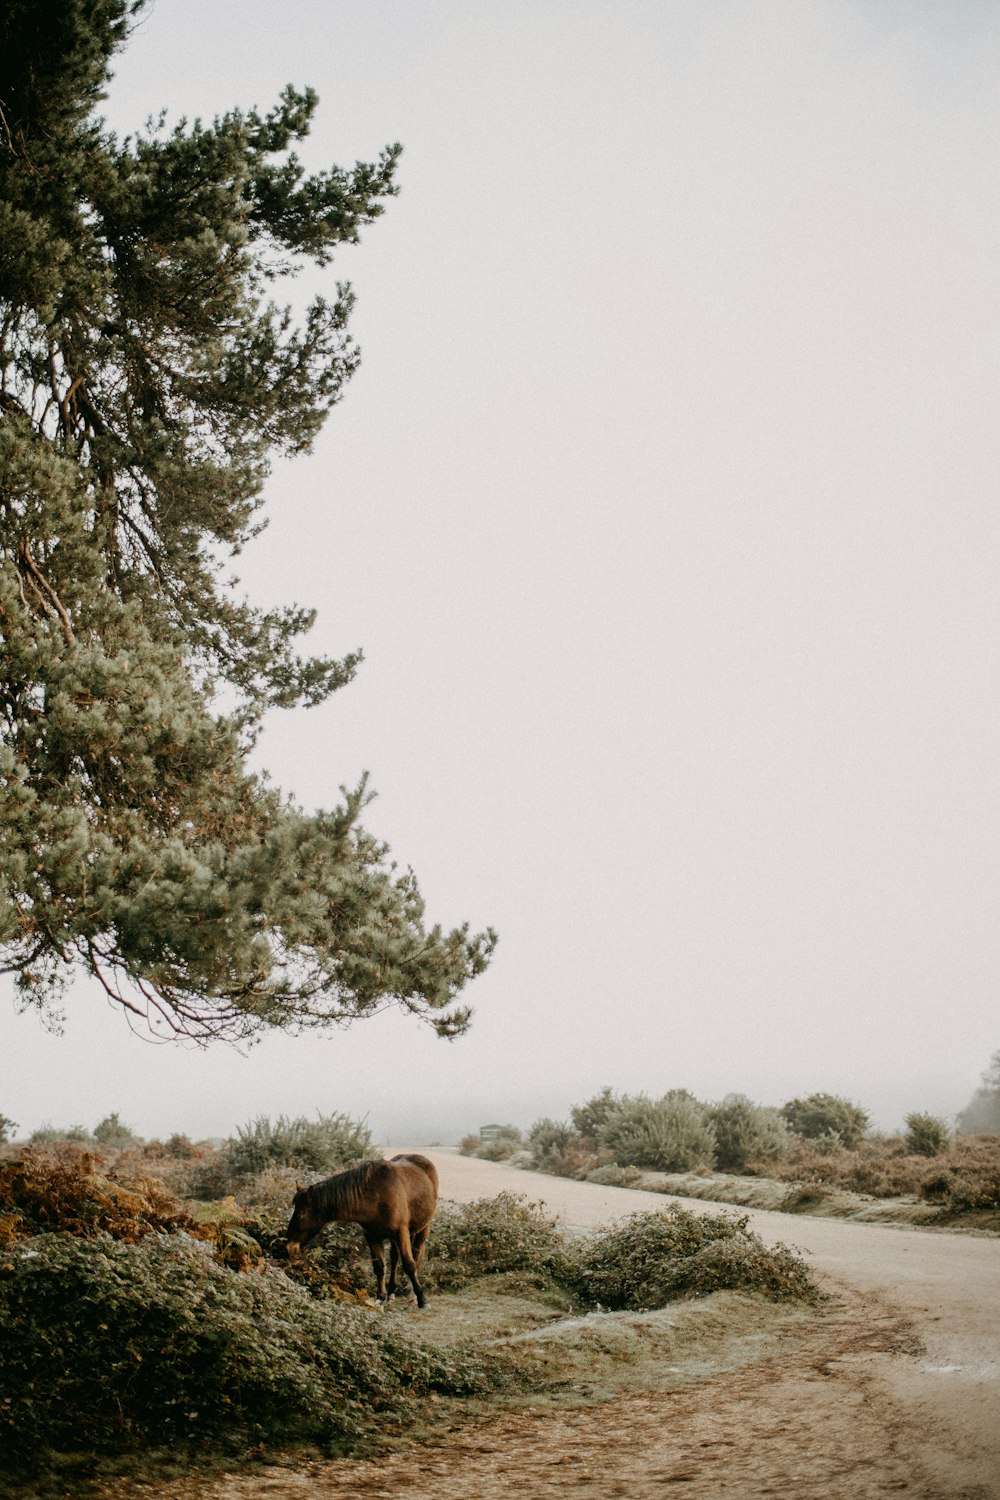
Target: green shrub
<point>747,1132</point>
<point>491,1237</point>
<point>507,1141</point>
<point>326,1144</point>
<point>270,1191</point>
<point>650,1259</point>
<point>337,1267</point>
<point>670,1134</point>
<point>824,1159</point>
<point>7,1128</point>
<point>549,1141</point>
<point>558,1148</point>
<point>926,1135</point>
<point>828,1117</point>
<point>210,1177</point>
<point>190,1354</point>
<point>590,1117</point>
<point>311,1148</point>
<point>112,1132</point>
<point>181,1147</point>
<point>50,1135</point>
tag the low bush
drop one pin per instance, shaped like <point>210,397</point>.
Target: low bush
<point>650,1259</point>
<point>192,1356</point>
<point>971,1190</point>
<point>493,1236</point>
<point>324,1145</point>
<point>113,1132</point>
<point>180,1147</point>
<point>970,1181</point>
<point>827,1117</point>
<point>211,1177</point>
<point>507,1142</point>
<point>590,1117</point>
<point>559,1149</point>
<point>42,1193</point>
<point>671,1134</point>
<point>308,1148</point>
<point>49,1135</point>
<point>746,1132</point>
<point>884,1174</point>
<point>549,1141</point>
<point>806,1197</point>
<point>926,1135</point>
<point>883,1167</point>
<point>612,1175</point>
<point>176,1162</point>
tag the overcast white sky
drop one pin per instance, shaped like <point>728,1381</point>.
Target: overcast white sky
<point>665,508</point>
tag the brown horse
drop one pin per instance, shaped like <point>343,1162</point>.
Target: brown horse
<point>391,1200</point>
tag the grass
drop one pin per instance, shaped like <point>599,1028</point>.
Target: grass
<point>571,1358</point>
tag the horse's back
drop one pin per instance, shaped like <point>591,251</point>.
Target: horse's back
<point>422,1183</point>
<point>426,1166</point>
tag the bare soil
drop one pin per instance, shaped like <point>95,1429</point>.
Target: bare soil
<point>891,1389</point>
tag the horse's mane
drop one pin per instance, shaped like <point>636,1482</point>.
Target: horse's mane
<point>340,1195</point>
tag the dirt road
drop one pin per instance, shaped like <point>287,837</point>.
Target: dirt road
<point>930,1297</point>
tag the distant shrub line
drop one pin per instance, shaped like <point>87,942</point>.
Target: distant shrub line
<point>819,1141</point>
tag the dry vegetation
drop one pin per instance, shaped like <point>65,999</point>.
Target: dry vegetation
<point>162,1266</point>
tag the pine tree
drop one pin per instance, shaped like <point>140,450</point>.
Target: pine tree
<point>981,1116</point>
<point>147,379</point>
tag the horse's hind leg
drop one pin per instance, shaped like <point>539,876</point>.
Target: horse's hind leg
<point>390,1290</point>
<point>375,1248</point>
<point>418,1243</point>
<point>409,1264</point>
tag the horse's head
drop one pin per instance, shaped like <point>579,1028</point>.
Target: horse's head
<point>304,1224</point>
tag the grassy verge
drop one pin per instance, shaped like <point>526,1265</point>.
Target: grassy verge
<point>569,1357</point>
<point>822,1199</point>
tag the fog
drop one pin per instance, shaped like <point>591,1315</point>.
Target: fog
<point>664,506</point>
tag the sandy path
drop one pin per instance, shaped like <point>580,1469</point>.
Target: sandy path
<point>940,1385</point>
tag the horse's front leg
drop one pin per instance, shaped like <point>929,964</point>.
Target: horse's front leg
<point>376,1251</point>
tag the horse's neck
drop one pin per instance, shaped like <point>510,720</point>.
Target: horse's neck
<point>341,1215</point>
